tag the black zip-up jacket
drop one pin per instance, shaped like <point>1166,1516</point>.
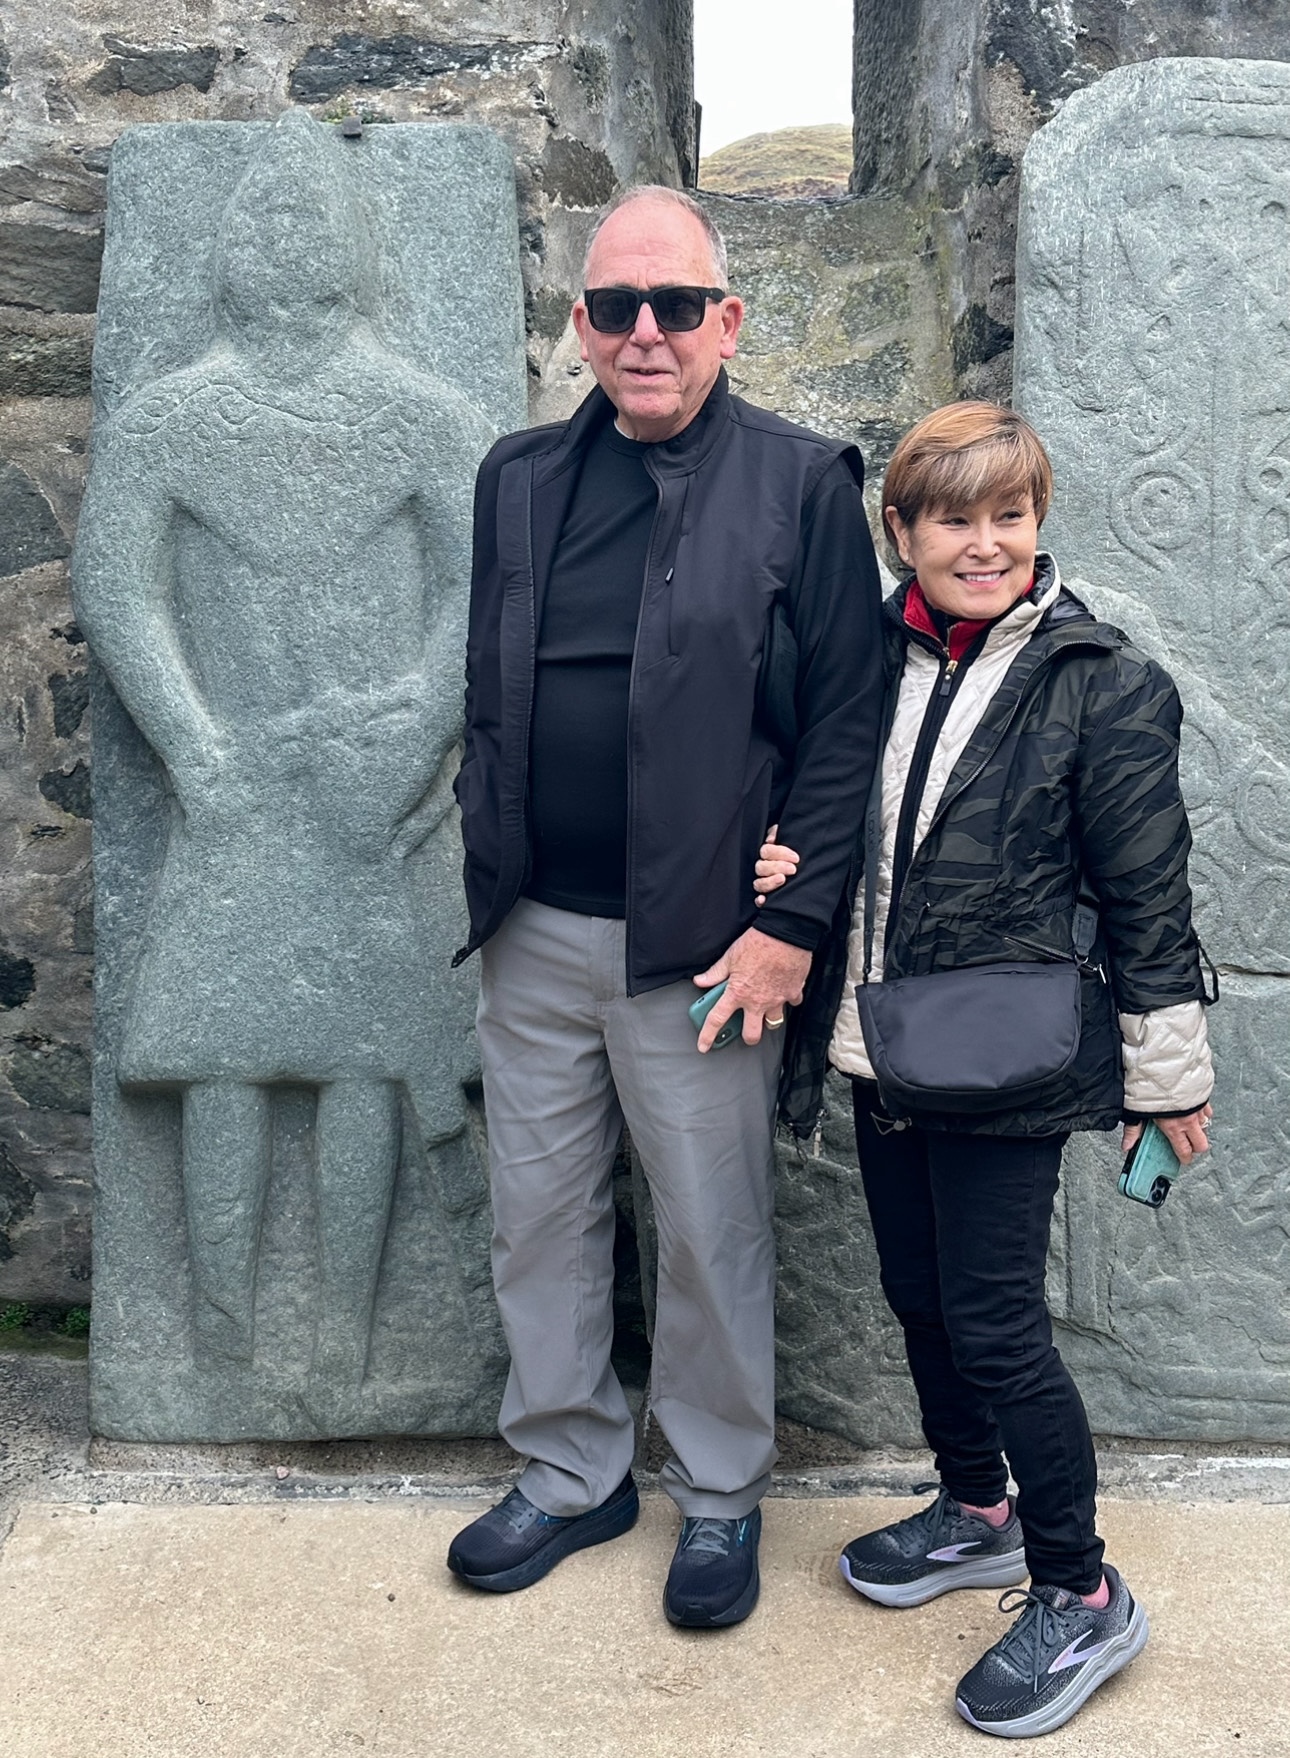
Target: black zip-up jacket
<point>1074,763</point>
<point>755,687</point>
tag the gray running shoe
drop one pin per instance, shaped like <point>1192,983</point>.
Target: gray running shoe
<point>714,1579</point>
<point>934,1552</point>
<point>1052,1659</point>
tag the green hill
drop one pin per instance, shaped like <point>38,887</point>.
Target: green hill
<point>791,162</point>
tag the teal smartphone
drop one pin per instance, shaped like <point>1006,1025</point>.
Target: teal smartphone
<point>1150,1169</point>
<point>700,1009</point>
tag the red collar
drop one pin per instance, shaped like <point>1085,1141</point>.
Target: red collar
<point>962,634</point>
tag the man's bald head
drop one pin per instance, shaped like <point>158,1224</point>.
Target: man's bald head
<point>676,198</point>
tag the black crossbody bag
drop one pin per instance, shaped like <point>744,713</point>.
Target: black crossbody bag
<point>983,1038</point>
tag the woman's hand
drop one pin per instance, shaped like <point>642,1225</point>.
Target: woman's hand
<point>775,864</point>
<point>1187,1136</point>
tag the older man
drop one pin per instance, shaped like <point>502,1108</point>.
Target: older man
<point>674,643</point>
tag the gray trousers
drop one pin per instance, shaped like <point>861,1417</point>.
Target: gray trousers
<point>567,1057</point>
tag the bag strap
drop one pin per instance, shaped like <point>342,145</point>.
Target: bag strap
<point>1084,926</point>
<point>872,856</point>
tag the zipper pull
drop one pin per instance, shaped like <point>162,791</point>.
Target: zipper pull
<point>947,681</point>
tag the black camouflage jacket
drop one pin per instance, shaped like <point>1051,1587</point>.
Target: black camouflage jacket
<point>1074,760</point>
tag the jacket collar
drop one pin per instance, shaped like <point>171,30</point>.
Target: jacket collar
<point>678,456</point>
<point>1021,619</point>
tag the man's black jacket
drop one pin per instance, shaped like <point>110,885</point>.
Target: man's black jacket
<point>756,677</point>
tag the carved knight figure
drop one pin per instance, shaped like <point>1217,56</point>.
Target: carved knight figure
<point>272,568</point>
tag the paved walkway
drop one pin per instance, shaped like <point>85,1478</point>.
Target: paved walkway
<point>302,1630</point>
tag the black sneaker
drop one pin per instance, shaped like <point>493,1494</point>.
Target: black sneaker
<point>933,1552</point>
<point>714,1578</point>
<point>515,1544</point>
<point>1052,1659</point>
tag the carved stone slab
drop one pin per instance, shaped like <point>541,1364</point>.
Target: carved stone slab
<point>1153,355</point>
<point>306,343</point>
<point>1176,1322</point>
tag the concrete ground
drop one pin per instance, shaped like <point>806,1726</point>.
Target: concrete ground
<point>217,1605</point>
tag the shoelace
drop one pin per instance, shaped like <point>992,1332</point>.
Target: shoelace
<point>712,1536</point>
<point>519,1512</point>
<point>1039,1629</point>
<point>921,1531</point>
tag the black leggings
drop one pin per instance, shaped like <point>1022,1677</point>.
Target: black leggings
<point>961,1223</point>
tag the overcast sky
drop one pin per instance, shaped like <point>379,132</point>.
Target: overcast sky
<point>762,64</point>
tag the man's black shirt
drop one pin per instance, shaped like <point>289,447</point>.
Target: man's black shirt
<point>578,762</point>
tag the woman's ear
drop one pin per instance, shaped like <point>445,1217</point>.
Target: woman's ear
<point>899,535</point>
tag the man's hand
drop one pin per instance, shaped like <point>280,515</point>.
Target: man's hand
<point>1186,1135</point>
<point>762,975</point>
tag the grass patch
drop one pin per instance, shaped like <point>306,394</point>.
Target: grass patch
<point>788,164</point>
<point>45,1330</point>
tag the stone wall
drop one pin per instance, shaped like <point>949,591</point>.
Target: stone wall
<point>947,95</point>
<point>843,327</point>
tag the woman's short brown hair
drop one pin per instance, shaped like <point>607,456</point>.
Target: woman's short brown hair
<point>956,456</point>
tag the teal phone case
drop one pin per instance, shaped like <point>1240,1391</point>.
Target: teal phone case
<point>1150,1169</point>
<point>700,1009</point>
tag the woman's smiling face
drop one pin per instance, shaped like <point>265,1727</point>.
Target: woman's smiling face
<point>973,562</point>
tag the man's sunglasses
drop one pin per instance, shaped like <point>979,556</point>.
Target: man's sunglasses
<point>612,310</point>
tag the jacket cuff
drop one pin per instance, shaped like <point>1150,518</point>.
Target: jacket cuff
<point>1156,1116</point>
<point>792,929</point>
<point>1167,1066</point>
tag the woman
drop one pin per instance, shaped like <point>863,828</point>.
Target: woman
<point>1030,762</point>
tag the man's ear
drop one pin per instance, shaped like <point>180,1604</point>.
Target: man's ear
<point>582,324</point>
<point>732,315</point>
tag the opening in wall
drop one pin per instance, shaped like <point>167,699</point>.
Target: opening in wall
<point>773,90</point>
